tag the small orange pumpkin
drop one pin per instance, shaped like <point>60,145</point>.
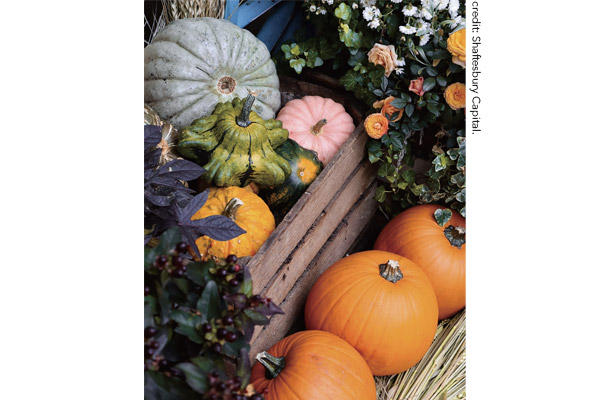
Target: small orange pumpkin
<point>380,303</point>
<point>313,365</point>
<point>247,210</point>
<point>439,251</point>
<point>317,124</point>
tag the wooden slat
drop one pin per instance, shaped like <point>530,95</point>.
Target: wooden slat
<point>300,218</point>
<point>321,230</point>
<point>339,243</point>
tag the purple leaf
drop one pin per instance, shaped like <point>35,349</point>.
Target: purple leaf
<point>152,136</point>
<point>193,206</point>
<point>218,227</point>
<point>159,200</point>
<point>181,170</point>
<point>270,309</point>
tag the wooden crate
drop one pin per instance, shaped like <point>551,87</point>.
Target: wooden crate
<point>320,228</point>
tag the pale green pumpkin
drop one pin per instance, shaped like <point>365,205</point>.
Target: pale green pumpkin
<point>195,63</point>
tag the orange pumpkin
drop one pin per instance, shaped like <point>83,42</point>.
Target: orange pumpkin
<point>247,210</point>
<point>380,303</point>
<point>313,365</point>
<point>439,251</point>
<point>317,124</point>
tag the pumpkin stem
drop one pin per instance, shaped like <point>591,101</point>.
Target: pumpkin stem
<point>456,235</point>
<point>390,271</point>
<point>316,130</point>
<point>231,208</point>
<point>243,119</point>
<point>273,365</point>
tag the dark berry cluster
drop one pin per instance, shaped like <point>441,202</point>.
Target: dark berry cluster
<point>229,272</point>
<point>227,389</point>
<point>175,263</point>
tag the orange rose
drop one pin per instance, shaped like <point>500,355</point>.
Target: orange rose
<point>388,109</point>
<point>455,96</point>
<point>385,56</point>
<point>376,125</point>
<point>417,86</point>
<point>456,44</point>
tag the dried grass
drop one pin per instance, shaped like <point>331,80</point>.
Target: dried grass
<point>441,373</point>
<point>177,9</point>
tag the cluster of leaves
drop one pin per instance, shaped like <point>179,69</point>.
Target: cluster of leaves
<point>426,117</point>
<point>169,202</point>
<point>196,315</point>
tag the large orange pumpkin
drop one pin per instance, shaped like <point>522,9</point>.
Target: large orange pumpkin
<point>247,210</point>
<point>380,303</point>
<point>313,365</point>
<point>439,251</point>
<point>318,124</point>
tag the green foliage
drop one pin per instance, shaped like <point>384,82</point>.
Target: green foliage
<point>429,130</point>
<point>196,314</point>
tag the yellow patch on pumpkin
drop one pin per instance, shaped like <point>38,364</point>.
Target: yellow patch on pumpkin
<point>306,170</point>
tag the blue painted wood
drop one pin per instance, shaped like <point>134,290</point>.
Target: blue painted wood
<point>276,24</point>
<point>249,11</point>
<point>230,7</point>
<point>296,22</point>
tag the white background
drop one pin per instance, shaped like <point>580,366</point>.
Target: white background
<point>71,208</point>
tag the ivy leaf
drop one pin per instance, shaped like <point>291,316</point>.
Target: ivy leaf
<point>294,49</point>
<point>343,12</point>
<point>380,194</point>
<point>442,216</point>
<point>297,64</point>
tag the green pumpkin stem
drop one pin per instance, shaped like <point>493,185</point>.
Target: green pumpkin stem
<point>231,208</point>
<point>316,130</point>
<point>243,119</point>
<point>456,235</point>
<point>273,365</point>
<point>390,271</point>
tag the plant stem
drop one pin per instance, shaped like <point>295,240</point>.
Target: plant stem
<point>243,119</point>
<point>231,208</point>
<point>390,271</point>
<point>273,365</point>
<point>316,130</point>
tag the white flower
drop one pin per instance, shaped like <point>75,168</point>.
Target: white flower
<point>368,13</point>
<point>399,71</point>
<point>422,26</point>
<point>409,10</point>
<point>426,3</point>
<point>424,39</point>
<point>443,4</point>
<point>331,1</point>
<point>400,62</point>
<point>426,14</point>
<point>396,1</point>
<point>368,3</point>
<point>312,8</point>
<point>407,29</point>
<point>456,21</point>
<point>454,6</point>
<point>323,11</point>
<point>355,5</point>
<point>374,23</point>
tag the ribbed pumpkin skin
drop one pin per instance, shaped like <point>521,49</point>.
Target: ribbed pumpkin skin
<point>186,61</point>
<point>391,324</point>
<point>253,216</point>
<point>319,366</point>
<point>415,234</point>
<point>300,115</point>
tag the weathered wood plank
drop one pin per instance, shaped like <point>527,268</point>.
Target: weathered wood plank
<point>321,230</point>
<point>300,218</point>
<point>339,243</point>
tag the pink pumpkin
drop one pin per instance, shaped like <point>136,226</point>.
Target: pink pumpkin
<point>318,124</point>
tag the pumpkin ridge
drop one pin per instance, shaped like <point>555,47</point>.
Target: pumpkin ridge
<point>340,297</point>
<point>188,107</point>
<point>287,386</point>
<point>364,320</point>
<point>323,294</point>
<point>179,45</point>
